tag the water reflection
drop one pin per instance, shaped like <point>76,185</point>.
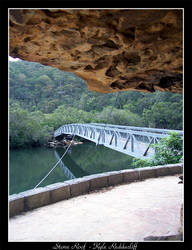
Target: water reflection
<point>70,167</point>
<point>27,167</point>
<point>87,159</point>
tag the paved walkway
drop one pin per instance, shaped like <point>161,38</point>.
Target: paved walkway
<point>123,213</point>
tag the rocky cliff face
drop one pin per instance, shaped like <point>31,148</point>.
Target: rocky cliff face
<point>111,50</point>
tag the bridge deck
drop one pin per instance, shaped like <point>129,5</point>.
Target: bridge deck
<point>134,141</point>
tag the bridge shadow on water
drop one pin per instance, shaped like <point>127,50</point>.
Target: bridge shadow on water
<point>87,159</point>
<point>70,167</point>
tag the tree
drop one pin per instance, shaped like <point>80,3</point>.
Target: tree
<point>112,115</point>
<point>164,115</point>
<point>27,129</point>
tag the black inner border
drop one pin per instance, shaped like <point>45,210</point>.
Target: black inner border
<point>4,5</point>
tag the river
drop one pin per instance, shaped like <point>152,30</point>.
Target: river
<point>27,167</point>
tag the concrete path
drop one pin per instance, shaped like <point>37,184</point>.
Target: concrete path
<point>123,213</point>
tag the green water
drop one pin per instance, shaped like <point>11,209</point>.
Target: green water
<point>27,167</point>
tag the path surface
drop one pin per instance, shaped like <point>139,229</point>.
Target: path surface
<point>123,213</point>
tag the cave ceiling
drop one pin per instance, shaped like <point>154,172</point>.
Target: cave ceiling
<point>111,49</point>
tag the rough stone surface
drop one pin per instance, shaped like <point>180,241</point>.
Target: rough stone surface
<point>162,170</point>
<point>38,199</point>
<point>115,178</point>
<point>59,192</point>
<point>130,175</point>
<point>16,205</point>
<point>176,237</point>
<point>99,181</point>
<point>111,50</point>
<point>78,187</point>
<point>125,213</point>
<point>147,173</point>
<point>178,169</point>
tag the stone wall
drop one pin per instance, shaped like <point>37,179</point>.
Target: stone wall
<point>43,196</point>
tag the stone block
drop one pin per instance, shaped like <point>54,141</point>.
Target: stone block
<point>162,170</point>
<point>175,169</point>
<point>130,175</point>
<point>58,192</point>
<point>148,172</point>
<point>115,178</point>
<point>36,198</point>
<point>99,181</point>
<point>78,186</point>
<point>16,205</point>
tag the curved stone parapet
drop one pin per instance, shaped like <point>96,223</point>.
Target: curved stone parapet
<point>43,196</point>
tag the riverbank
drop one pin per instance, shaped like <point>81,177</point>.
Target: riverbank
<point>62,143</point>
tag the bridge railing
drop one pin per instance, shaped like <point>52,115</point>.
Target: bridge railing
<point>134,141</point>
<point>155,130</point>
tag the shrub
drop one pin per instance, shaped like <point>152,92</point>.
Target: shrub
<point>168,150</point>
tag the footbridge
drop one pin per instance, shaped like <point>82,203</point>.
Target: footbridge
<point>133,141</point>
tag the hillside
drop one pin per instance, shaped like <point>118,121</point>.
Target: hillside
<point>43,98</point>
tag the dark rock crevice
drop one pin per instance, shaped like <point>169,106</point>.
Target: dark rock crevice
<point>168,81</point>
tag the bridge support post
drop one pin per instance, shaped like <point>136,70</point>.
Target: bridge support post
<point>145,153</point>
<point>128,138</point>
<point>103,136</point>
<point>115,140</point>
<point>111,139</point>
<point>132,144</point>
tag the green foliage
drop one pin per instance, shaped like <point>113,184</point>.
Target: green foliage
<point>140,163</point>
<point>27,129</point>
<point>160,113</point>
<point>37,87</point>
<point>119,116</point>
<point>168,151</point>
<point>43,98</point>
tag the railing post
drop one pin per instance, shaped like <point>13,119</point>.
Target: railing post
<point>103,136</point>
<point>145,153</point>
<point>91,134</point>
<point>132,143</point>
<point>115,139</point>
<point>99,137</point>
<point>128,138</point>
<point>111,139</point>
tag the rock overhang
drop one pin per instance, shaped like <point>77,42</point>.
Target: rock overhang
<point>111,49</point>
